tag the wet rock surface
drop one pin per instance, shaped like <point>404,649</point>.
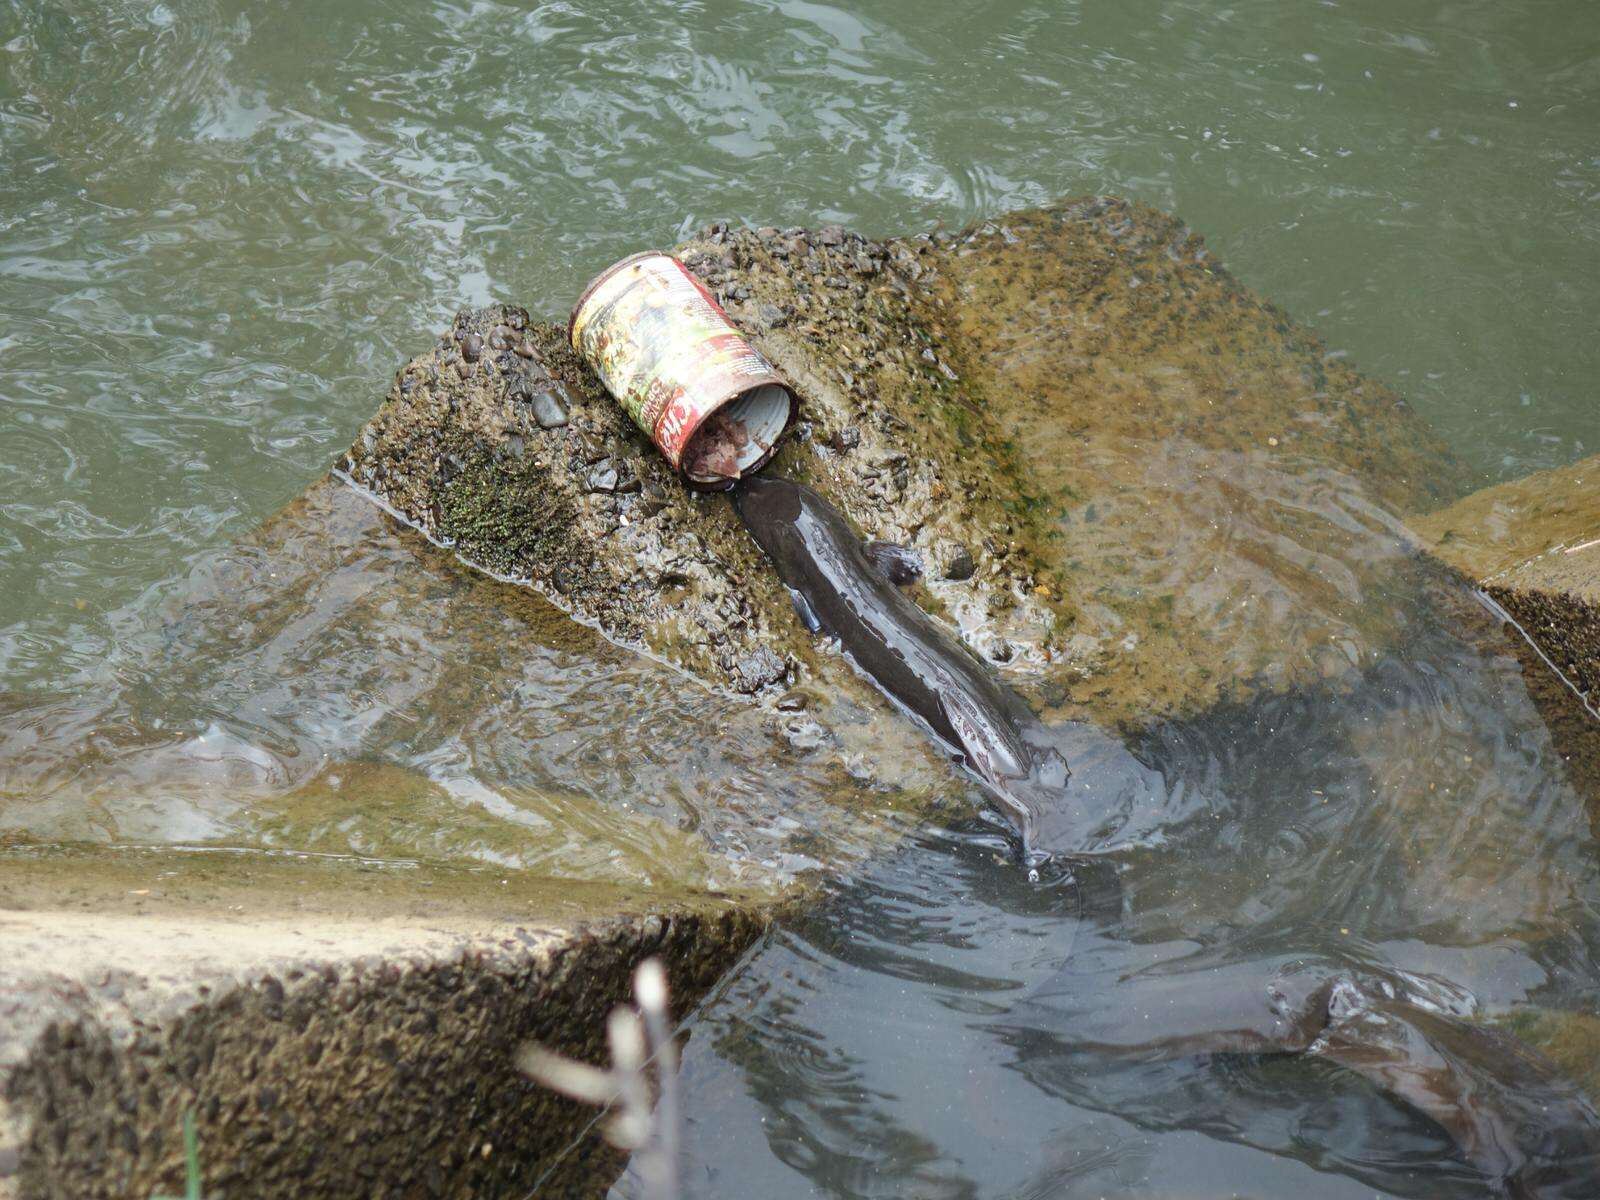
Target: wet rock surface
<point>526,468</point>
<point>1134,490</point>
<point>1107,447</point>
<point>1533,547</point>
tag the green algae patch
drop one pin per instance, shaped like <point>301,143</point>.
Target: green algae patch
<point>1213,485</point>
<point>1569,1039</point>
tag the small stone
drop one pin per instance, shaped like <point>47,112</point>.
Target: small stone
<point>547,406</point>
<point>524,348</point>
<point>844,440</point>
<point>766,233</point>
<point>831,235</point>
<point>464,369</point>
<point>771,316</point>
<point>756,670</point>
<point>959,564</point>
<point>792,702</point>
<point>471,347</point>
<point>604,477</point>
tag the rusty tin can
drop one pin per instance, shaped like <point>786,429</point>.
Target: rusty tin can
<point>662,346</point>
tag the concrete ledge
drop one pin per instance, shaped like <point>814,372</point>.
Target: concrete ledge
<point>324,1054</point>
<point>1534,546</point>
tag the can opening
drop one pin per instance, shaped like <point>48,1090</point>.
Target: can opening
<point>739,436</point>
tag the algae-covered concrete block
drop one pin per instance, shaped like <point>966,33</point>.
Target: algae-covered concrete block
<point>1140,488</point>
<point>339,997</point>
<point>1533,548</point>
<point>1139,492</point>
<point>334,1032</point>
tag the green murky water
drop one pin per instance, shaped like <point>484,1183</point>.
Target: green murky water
<point>223,226</point>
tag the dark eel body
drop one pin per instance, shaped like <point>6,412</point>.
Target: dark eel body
<point>1509,1111</point>
<point>838,588</point>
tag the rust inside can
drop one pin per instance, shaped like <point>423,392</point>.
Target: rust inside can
<point>707,398</point>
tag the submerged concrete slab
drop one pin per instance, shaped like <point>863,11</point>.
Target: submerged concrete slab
<point>1533,547</point>
<point>336,1030</point>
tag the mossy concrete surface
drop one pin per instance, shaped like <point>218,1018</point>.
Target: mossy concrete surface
<point>336,1031</point>
<point>1138,491</point>
<point>338,1000</point>
<point>1113,458</point>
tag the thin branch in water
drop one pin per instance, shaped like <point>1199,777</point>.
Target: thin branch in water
<point>638,1037</point>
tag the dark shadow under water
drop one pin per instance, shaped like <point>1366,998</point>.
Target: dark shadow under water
<point>937,1029</point>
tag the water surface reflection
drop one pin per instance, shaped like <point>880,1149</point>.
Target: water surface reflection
<point>940,1029</point>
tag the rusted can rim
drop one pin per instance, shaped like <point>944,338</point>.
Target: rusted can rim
<point>735,407</point>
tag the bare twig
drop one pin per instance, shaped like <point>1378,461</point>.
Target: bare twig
<point>637,1037</point>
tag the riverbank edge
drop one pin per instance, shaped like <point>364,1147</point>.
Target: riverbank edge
<point>362,1045</point>
<point>1531,548</point>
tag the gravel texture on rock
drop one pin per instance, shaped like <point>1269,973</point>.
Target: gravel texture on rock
<point>1102,443</point>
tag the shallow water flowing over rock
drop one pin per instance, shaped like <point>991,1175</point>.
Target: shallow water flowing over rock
<point>305,824</point>
<point>1142,496</point>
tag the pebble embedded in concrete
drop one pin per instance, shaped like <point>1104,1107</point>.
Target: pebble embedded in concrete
<point>548,409</point>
